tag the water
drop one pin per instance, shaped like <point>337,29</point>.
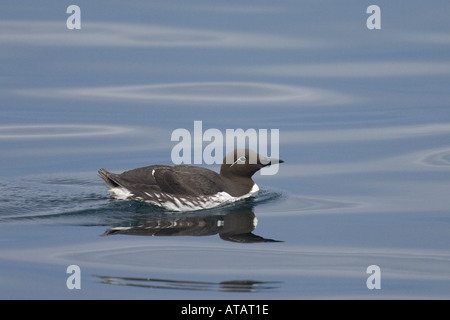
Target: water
<point>364,129</point>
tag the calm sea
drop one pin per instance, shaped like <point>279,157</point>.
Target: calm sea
<point>364,129</point>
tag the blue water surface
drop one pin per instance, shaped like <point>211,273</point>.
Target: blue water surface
<point>364,124</point>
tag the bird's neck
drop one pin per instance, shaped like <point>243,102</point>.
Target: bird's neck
<point>239,186</point>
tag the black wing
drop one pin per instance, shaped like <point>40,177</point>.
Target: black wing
<point>178,180</point>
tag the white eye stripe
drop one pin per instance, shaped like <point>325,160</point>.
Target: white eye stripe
<point>241,159</point>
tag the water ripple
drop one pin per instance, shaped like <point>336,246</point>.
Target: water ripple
<point>46,131</point>
<point>232,92</point>
<point>103,34</point>
<point>436,158</point>
<point>82,199</point>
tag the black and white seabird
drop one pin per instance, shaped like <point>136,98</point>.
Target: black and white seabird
<point>186,188</point>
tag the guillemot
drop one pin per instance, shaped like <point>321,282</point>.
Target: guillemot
<point>187,188</point>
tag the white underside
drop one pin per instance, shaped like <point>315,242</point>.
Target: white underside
<point>175,204</point>
<point>120,193</point>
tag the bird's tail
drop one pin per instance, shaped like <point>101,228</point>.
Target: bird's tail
<point>108,177</point>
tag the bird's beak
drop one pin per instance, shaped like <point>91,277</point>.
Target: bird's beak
<point>269,161</point>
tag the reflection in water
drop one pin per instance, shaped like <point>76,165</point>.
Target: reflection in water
<point>80,200</point>
<point>232,224</point>
<point>153,283</point>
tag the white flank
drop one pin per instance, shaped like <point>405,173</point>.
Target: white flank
<point>120,193</point>
<point>205,202</point>
<point>121,228</point>
<point>255,189</point>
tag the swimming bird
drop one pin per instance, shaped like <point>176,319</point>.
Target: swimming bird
<point>187,188</point>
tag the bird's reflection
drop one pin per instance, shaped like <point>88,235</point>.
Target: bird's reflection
<point>232,224</point>
<point>156,283</point>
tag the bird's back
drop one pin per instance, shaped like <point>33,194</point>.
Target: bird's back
<point>181,180</point>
